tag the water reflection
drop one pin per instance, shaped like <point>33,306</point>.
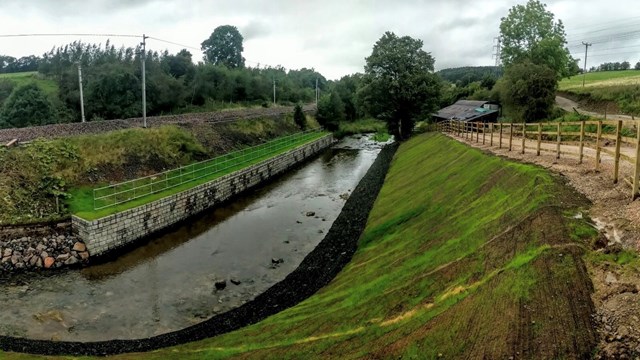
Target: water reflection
<point>168,283</point>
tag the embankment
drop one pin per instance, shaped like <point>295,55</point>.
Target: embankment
<point>316,271</point>
<point>465,255</point>
<point>113,232</point>
<point>99,127</point>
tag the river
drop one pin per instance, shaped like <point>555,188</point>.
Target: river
<point>169,283</point>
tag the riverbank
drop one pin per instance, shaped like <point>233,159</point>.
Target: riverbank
<point>464,255</point>
<point>315,271</point>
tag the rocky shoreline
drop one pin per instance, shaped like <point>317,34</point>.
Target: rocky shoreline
<point>35,253</point>
<point>316,271</point>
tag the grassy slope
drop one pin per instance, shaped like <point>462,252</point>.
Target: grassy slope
<point>438,272</point>
<point>603,78</point>
<point>81,202</point>
<point>48,86</point>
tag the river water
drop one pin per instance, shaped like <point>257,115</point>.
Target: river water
<point>169,283</point>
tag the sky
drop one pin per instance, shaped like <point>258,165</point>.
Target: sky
<point>332,36</point>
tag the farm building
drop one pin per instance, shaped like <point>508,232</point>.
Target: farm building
<point>468,110</point>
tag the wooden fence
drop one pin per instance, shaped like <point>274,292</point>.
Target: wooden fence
<point>567,138</point>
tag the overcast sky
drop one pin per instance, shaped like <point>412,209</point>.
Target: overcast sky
<point>332,36</point>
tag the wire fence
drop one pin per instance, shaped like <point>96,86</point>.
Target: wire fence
<point>116,194</point>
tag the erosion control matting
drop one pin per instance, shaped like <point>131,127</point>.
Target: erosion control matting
<point>315,271</point>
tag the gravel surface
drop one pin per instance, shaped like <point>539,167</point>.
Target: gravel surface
<point>97,127</point>
<point>316,271</point>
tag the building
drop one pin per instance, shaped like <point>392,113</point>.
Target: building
<point>468,110</point>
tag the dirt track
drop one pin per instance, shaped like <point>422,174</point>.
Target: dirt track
<point>616,289</point>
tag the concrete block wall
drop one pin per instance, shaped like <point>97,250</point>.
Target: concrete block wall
<point>109,233</point>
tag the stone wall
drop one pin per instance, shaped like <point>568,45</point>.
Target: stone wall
<point>110,233</point>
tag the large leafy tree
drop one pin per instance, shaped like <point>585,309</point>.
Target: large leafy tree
<point>224,47</point>
<point>399,85</point>
<point>330,111</point>
<point>27,106</point>
<point>529,90</point>
<point>531,33</point>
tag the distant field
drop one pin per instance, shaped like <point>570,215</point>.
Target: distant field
<point>602,79</point>
<point>48,86</point>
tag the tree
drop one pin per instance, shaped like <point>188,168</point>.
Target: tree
<point>330,111</point>
<point>530,33</point>
<point>27,106</point>
<point>530,90</point>
<point>637,67</point>
<point>224,47</point>
<point>299,117</point>
<point>6,88</point>
<point>112,93</point>
<point>399,85</point>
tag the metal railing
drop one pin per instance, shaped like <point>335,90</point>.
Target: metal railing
<point>116,194</point>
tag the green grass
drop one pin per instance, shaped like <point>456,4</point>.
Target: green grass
<point>601,78</point>
<point>438,271</point>
<point>364,126</point>
<point>48,86</point>
<point>147,190</point>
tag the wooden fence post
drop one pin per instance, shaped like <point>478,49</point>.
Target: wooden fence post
<point>491,131</point>
<point>484,133</point>
<point>524,135</point>
<point>616,170</point>
<point>477,132</point>
<point>636,173</point>
<point>539,138</point>
<point>581,141</point>
<point>598,148</point>
<point>559,139</point>
<point>510,136</point>
<point>500,146</point>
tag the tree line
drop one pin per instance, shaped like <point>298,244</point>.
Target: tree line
<point>614,66</point>
<point>175,84</point>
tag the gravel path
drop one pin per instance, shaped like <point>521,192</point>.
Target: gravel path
<point>570,105</point>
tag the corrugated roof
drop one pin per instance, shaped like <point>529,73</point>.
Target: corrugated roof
<point>464,110</point>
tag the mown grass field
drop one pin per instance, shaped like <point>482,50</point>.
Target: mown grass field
<point>465,255</point>
<point>602,78</point>
<point>48,86</point>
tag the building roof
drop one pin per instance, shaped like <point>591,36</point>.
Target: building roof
<point>465,110</point>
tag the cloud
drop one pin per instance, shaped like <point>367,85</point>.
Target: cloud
<point>333,36</point>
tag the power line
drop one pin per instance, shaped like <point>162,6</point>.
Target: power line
<point>174,43</point>
<point>78,34</point>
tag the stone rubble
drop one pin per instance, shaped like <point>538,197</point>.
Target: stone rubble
<point>34,253</point>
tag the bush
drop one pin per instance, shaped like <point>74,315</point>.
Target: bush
<point>27,106</point>
<point>299,118</point>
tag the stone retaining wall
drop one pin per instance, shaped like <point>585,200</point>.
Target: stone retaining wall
<point>110,233</point>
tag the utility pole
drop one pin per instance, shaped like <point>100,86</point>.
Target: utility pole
<point>144,80</point>
<point>81,94</point>
<point>586,52</point>
<point>274,91</point>
<point>316,93</point>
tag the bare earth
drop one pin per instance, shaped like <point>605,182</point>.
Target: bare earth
<point>615,293</point>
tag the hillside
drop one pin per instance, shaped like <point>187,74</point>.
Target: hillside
<point>18,79</point>
<point>613,92</point>
<point>480,258</point>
